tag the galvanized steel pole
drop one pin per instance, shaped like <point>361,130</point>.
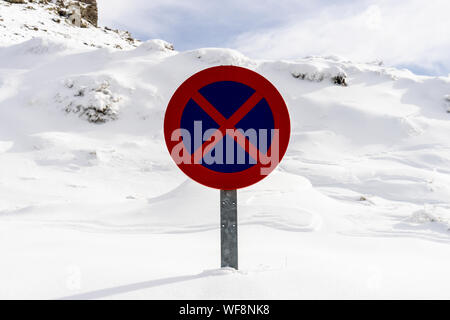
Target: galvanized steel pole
<point>228,228</point>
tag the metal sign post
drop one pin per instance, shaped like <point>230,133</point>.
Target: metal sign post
<point>228,229</point>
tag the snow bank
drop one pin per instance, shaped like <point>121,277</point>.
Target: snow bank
<point>155,45</point>
<point>313,71</point>
<point>39,46</point>
<point>375,137</point>
<point>216,56</point>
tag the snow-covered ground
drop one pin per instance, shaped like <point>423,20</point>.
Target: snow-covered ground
<point>92,206</point>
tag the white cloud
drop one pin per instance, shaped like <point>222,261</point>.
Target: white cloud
<point>144,16</point>
<point>407,32</point>
<point>199,22</point>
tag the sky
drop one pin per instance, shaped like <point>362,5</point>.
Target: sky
<point>414,34</point>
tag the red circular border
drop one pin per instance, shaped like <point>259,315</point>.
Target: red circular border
<point>172,121</point>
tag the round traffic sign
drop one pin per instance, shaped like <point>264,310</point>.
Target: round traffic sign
<point>227,127</point>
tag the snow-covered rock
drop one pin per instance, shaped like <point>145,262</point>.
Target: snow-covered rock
<point>93,101</point>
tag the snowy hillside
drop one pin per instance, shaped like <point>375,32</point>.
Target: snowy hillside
<point>48,19</point>
<point>91,201</point>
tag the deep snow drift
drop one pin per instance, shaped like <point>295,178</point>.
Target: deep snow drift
<point>92,205</point>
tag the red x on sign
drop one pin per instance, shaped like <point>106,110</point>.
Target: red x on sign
<point>237,104</point>
<point>226,125</point>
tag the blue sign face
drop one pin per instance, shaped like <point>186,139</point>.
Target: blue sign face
<point>256,123</point>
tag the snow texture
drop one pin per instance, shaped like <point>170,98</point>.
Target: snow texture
<point>92,206</point>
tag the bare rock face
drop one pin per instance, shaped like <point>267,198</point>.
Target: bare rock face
<point>15,1</point>
<point>89,11</point>
<point>78,11</point>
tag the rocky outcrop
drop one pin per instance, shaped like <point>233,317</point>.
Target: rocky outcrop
<point>89,11</point>
<point>78,12</point>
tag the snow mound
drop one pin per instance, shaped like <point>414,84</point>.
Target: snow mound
<point>217,56</point>
<point>32,52</point>
<point>90,99</point>
<point>155,45</point>
<point>316,71</point>
<point>432,215</point>
<point>168,209</point>
<point>40,46</point>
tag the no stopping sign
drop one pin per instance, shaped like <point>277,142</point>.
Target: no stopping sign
<point>227,127</point>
